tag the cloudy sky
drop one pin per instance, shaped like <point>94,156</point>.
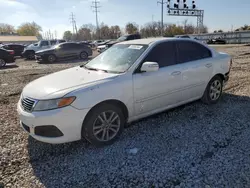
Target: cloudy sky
<point>54,14</point>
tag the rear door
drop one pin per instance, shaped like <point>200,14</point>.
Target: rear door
<point>196,65</point>
<point>68,50</point>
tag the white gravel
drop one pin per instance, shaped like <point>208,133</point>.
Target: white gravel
<point>191,146</point>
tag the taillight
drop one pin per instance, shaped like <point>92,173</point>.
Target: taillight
<point>12,52</point>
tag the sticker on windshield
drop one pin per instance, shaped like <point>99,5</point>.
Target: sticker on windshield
<point>135,47</point>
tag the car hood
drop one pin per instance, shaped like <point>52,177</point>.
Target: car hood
<point>60,83</point>
<point>45,50</point>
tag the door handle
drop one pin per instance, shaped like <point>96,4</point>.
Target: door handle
<point>208,65</point>
<point>175,73</point>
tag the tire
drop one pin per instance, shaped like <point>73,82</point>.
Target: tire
<point>93,129</point>
<point>31,55</point>
<point>51,58</point>
<point>83,55</point>
<point>2,63</point>
<point>213,91</point>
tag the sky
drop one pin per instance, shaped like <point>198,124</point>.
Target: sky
<point>54,15</point>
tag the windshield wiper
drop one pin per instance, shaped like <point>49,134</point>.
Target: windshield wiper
<point>94,69</point>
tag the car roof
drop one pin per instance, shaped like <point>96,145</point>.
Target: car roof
<point>150,41</point>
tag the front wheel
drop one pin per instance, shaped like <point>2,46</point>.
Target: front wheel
<point>51,58</point>
<point>103,125</point>
<point>83,55</point>
<point>31,55</point>
<point>2,63</point>
<point>213,91</point>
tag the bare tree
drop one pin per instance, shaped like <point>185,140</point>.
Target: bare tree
<point>6,28</point>
<point>131,28</point>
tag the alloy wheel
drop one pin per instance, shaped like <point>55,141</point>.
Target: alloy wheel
<point>51,58</point>
<point>106,126</point>
<point>83,55</point>
<point>215,90</point>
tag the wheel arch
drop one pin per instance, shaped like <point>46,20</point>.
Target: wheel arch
<point>222,77</point>
<point>114,102</point>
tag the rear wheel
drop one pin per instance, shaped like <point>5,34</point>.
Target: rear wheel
<point>2,63</point>
<point>51,58</point>
<point>83,55</point>
<point>213,91</point>
<point>103,125</point>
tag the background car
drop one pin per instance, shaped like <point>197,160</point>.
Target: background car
<point>29,51</point>
<point>123,38</point>
<point>63,51</point>
<point>6,56</point>
<point>17,48</point>
<point>216,41</point>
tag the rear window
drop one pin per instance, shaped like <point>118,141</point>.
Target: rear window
<point>191,51</point>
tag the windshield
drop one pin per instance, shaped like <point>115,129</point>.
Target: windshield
<point>122,38</point>
<point>118,58</point>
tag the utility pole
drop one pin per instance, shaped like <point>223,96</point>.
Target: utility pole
<point>162,2</point>
<point>55,34</point>
<point>96,6</point>
<point>72,20</point>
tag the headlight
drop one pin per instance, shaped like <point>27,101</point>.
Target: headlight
<point>53,103</point>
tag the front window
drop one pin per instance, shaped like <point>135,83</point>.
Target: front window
<point>118,58</point>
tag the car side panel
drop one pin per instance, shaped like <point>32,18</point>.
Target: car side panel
<point>120,88</point>
<point>221,63</point>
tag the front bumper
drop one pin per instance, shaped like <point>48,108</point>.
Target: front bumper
<point>38,58</point>
<point>57,126</point>
<point>25,54</point>
<point>10,59</point>
<point>100,50</point>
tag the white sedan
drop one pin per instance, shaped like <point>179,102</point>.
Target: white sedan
<point>127,82</point>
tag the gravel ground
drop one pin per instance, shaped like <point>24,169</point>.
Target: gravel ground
<point>194,145</point>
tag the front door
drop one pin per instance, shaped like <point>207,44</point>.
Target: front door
<point>156,90</point>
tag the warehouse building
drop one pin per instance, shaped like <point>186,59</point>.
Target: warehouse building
<point>17,39</point>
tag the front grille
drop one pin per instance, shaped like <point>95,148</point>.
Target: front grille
<point>27,104</point>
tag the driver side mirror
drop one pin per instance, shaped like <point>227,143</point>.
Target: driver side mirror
<point>149,67</point>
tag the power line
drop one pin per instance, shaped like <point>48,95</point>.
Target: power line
<point>162,2</point>
<point>96,6</point>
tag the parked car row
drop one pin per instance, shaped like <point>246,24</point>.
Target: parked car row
<point>44,50</point>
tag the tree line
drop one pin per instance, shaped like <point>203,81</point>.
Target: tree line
<point>25,29</point>
<point>150,29</point>
<point>104,31</point>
